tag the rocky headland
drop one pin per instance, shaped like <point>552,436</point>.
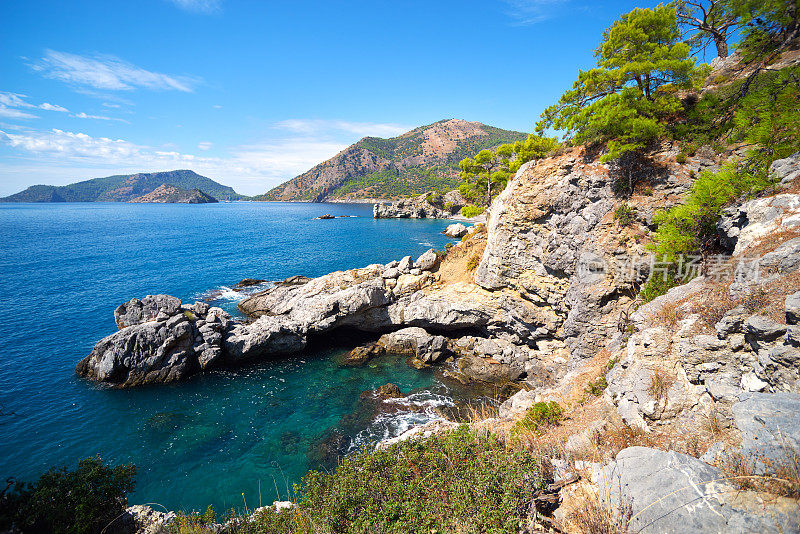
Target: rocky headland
<point>544,297</point>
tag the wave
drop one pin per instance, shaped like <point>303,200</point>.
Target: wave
<point>423,408</point>
<point>231,294</point>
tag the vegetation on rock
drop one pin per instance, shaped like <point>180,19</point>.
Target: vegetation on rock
<point>626,100</point>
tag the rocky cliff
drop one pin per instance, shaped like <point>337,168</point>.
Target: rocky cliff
<point>168,194</point>
<point>423,159</point>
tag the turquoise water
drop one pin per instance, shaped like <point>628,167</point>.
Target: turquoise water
<point>65,267</point>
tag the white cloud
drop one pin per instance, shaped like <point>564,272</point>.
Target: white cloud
<point>107,72</point>
<point>525,12</point>
<point>250,169</point>
<point>83,115</point>
<point>53,107</point>
<point>11,103</point>
<point>199,6</point>
<point>109,105</point>
<point>12,113</point>
<point>205,145</point>
<point>320,127</point>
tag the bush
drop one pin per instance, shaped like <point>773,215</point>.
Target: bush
<point>681,158</point>
<point>472,211</point>
<point>624,214</point>
<point>85,500</point>
<point>459,481</point>
<point>541,414</point>
<point>473,262</point>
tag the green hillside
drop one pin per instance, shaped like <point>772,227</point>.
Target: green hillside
<point>122,188</point>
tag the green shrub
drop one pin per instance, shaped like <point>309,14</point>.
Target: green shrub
<point>459,481</point>
<point>434,198</point>
<point>624,214</point>
<point>473,262</point>
<point>541,414</point>
<point>448,206</point>
<point>85,500</point>
<point>472,211</point>
<point>681,158</point>
<point>597,387</point>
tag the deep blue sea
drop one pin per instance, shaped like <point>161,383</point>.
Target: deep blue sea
<point>65,267</point>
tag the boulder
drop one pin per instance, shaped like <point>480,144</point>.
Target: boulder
<point>669,492</point>
<point>480,369</point>
<point>361,355</point>
<point>418,207</point>
<point>792,308</point>
<point>769,427</point>
<point>787,169</point>
<point>764,328</point>
<point>415,342</point>
<point>456,230</point>
<point>427,261</point>
<point>405,264</point>
<point>137,311</point>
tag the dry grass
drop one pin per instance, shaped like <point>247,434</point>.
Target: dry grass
<point>771,241</point>
<point>591,516</point>
<point>711,304</point>
<point>660,382</point>
<point>784,480</point>
<point>453,267</point>
<point>667,316</point>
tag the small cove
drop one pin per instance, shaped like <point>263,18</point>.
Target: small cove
<point>65,267</point>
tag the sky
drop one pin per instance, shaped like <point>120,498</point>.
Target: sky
<point>252,93</point>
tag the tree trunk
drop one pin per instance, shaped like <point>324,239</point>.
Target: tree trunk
<point>722,46</point>
<point>488,191</point>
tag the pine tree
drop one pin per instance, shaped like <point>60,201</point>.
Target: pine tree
<point>624,101</point>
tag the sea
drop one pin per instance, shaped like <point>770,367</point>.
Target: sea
<point>231,438</point>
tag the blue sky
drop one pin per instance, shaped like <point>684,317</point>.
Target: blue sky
<point>252,93</point>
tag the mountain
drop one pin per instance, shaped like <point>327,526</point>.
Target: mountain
<point>169,194</point>
<point>424,159</point>
<point>122,188</point>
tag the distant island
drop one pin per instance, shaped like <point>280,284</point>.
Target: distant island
<point>169,194</point>
<point>422,160</point>
<point>128,188</point>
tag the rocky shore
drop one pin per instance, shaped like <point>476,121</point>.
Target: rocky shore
<point>429,205</point>
<point>543,296</point>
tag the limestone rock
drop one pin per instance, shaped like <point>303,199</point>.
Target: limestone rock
<point>456,230</point>
<point>769,426</point>
<point>792,308</point>
<point>741,226</point>
<point>415,341</point>
<point>427,261</point>
<point>417,207</point>
<point>671,492</point>
<point>786,170</point>
<point>137,311</point>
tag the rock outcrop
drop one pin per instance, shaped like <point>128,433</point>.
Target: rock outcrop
<point>456,230</point>
<point>159,341</point>
<point>674,493</point>
<point>424,206</point>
